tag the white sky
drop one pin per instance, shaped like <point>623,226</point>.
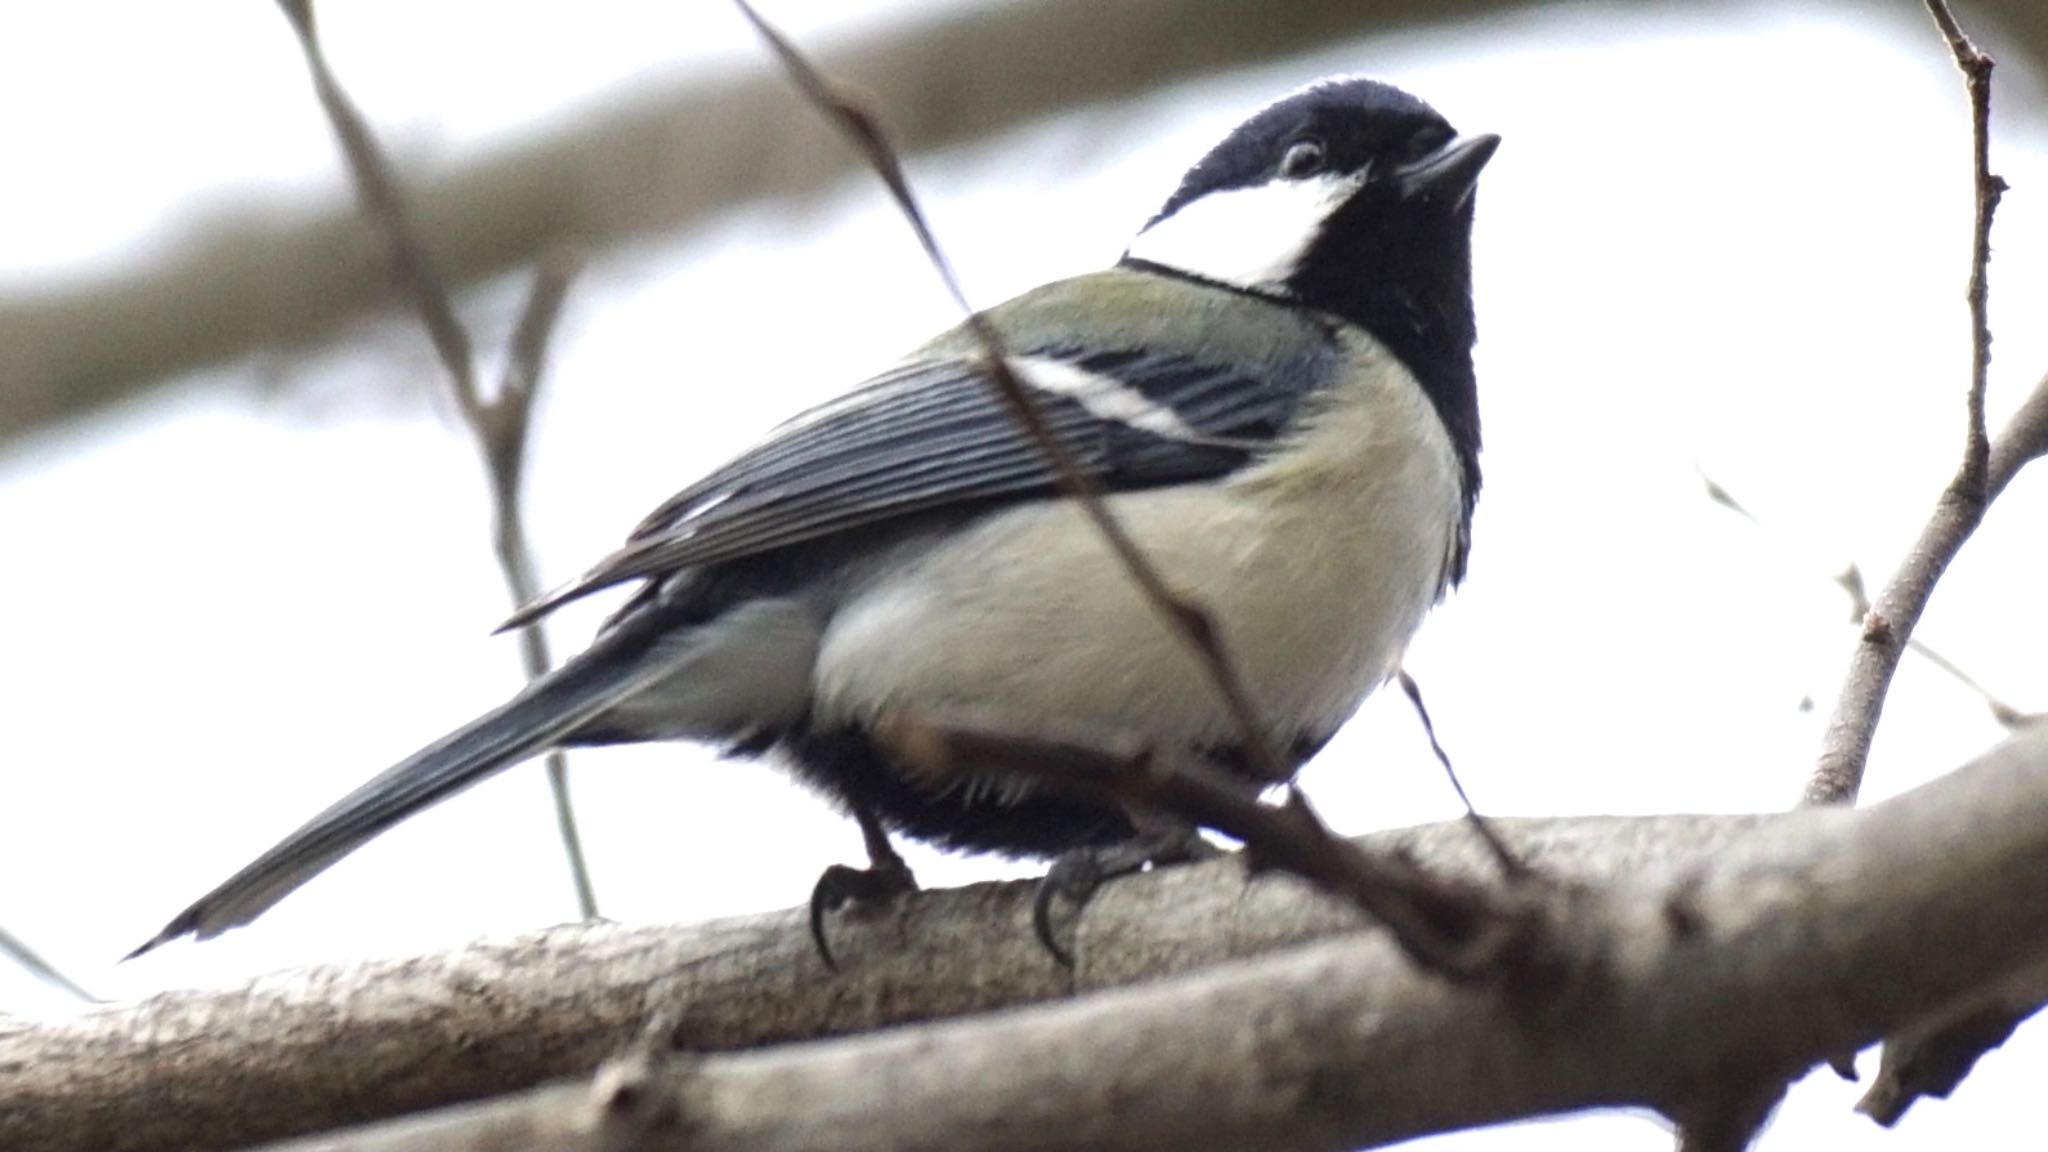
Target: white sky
<point>1734,241</point>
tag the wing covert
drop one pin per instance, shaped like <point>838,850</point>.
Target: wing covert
<point>934,433</point>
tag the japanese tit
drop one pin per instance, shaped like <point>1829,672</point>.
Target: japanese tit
<point>1274,385</point>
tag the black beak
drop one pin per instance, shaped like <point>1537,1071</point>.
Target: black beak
<point>1450,173</point>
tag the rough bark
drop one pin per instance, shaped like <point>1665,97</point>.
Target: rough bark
<point>1691,983</point>
<point>1666,944</point>
<point>305,1051</point>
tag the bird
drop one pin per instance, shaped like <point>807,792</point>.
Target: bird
<point>1273,388</point>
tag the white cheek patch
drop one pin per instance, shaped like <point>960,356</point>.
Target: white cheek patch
<point>1251,237</point>
<point>1105,397</point>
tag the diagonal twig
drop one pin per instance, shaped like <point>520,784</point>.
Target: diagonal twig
<point>1189,620</point>
<point>512,413</point>
<point>1510,865</point>
<point>500,424</point>
<point>1458,928</point>
<point>1933,1060</point>
<point>1850,581</point>
<point>16,949</point>
<point>1988,465</point>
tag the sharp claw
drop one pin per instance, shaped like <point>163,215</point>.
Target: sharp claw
<point>1041,922</point>
<point>1076,876</point>
<point>841,885</point>
<point>821,898</point>
<point>1078,873</point>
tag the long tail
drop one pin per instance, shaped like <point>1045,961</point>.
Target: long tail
<point>538,718</point>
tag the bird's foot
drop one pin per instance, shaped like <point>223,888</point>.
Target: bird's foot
<point>841,886</point>
<point>1076,874</point>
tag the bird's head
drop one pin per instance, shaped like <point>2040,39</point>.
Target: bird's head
<point>1350,196</point>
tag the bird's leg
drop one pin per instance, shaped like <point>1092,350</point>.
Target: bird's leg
<point>885,876</point>
<point>1078,873</point>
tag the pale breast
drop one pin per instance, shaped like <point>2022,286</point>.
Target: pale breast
<point>1317,564</point>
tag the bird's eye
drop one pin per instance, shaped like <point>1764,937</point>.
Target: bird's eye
<point>1302,158</point>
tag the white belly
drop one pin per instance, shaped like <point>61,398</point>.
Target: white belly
<point>1317,567</point>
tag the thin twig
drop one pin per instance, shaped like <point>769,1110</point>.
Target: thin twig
<point>1990,187</point>
<point>510,418</point>
<point>1510,864</point>
<point>377,187</point>
<point>500,424</point>
<point>1189,620</point>
<point>1850,581</point>
<point>1917,1064</point>
<point>1986,468</point>
<point>17,950</point>
<point>1461,929</point>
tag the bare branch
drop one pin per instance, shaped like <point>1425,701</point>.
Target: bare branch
<point>1985,470</point>
<point>1976,66</point>
<point>500,424</point>
<point>659,156</point>
<point>2023,440</point>
<point>16,949</point>
<point>1990,188</point>
<point>1188,619</point>
<point>504,426</point>
<point>1343,1044</point>
<point>377,189</point>
<point>1510,866</point>
<point>1932,1055</point>
<point>258,1062</point>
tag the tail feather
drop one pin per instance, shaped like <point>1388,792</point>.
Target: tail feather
<point>546,713</point>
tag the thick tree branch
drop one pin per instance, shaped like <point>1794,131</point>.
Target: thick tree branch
<point>1340,1044</point>
<point>260,1062</point>
<point>653,161</point>
<point>1932,1056</point>
<point>1848,923</point>
<point>291,273</point>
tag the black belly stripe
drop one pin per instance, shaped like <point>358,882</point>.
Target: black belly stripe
<point>845,765</point>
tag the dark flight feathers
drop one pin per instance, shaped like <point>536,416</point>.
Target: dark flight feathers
<point>934,433</point>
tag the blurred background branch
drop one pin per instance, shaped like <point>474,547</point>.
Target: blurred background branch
<point>500,422</point>
<point>17,951</point>
<point>661,160</point>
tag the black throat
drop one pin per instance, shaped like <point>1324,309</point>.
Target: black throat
<point>1411,289</point>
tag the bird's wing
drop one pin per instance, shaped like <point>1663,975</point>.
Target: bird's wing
<point>935,433</point>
